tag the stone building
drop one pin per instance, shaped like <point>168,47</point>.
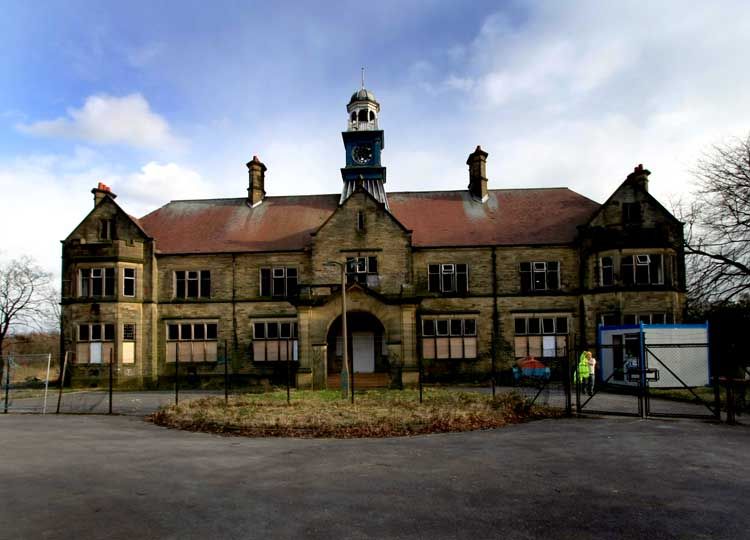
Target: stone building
<point>430,275</point>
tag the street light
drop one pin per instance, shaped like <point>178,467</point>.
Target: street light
<point>347,375</point>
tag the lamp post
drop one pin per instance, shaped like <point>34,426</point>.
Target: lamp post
<point>347,375</point>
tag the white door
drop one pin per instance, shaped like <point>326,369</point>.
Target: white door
<point>363,350</point>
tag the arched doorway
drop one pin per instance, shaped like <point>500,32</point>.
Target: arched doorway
<point>366,344</point>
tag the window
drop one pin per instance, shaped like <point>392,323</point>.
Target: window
<point>190,341</point>
<point>363,270</point>
<point>540,276</point>
<point>541,336</point>
<point>360,221</point>
<point>192,284</point>
<point>278,281</point>
<point>96,282</point>
<point>647,318</point>
<point>128,343</point>
<point>643,269</point>
<point>606,272</point>
<point>448,278</point>
<point>275,341</point>
<point>105,229</point>
<point>631,212</point>
<point>128,282</point>
<point>449,338</point>
<point>95,343</point>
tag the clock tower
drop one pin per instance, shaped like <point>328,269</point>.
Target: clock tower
<point>364,143</point>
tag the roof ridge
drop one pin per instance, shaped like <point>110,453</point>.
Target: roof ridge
<point>495,189</point>
<point>245,198</point>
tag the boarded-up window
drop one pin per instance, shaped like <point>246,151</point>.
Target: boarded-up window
<point>128,352</point>
<point>128,343</point>
<point>552,343</point>
<point>277,341</point>
<point>95,343</point>
<point>445,338</point>
<point>192,341</point>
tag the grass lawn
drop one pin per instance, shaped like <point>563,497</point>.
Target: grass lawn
<point>377,413</point>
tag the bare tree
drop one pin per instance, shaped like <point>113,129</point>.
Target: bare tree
<point>717,234</point>
<point>26,297</point>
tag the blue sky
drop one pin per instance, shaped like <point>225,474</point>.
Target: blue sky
<point>168,100</point>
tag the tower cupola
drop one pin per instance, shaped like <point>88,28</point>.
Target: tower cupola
<point>363,143</point>
<point>363,110</point>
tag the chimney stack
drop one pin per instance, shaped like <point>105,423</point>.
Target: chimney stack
<point>256,191</point>
<point>477,163</point>
<point>639,177</point>
<point>100,192</point>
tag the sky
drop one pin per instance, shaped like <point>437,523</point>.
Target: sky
<point>168,100</point>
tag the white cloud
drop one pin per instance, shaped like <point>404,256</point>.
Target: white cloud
<point>58,189</point>
<point>107,119</point>
<point>156,184</point>
<point>578,95</point>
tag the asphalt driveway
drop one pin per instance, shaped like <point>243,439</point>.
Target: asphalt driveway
<point>119,477</point>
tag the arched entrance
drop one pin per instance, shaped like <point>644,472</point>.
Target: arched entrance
<point>366,344</point>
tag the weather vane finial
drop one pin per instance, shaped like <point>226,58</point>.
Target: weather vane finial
<point>363,77</point>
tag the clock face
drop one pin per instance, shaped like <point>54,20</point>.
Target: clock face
<point>362,153</point>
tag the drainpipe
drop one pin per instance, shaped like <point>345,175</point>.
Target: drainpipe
<point>234,303</point>
<point>495,318</point>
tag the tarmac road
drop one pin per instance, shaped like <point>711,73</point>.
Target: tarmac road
<point>119,477</point>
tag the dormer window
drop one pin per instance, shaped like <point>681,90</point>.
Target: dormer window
<point>105,229</point>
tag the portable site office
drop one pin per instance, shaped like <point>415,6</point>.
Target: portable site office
<point>665,355</point>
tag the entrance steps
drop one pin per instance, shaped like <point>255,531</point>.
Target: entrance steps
<point>362,381</point>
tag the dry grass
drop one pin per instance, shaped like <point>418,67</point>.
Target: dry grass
<point>375,414</point>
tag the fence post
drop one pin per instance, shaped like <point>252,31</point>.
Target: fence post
<point>288,377</point>
<point>731,408</point>
<point>46,383</point>
<point>62,382</point>
<point>567,384</point>
<point>177,375</point>
<point>419,375</point>
<point>111,358</point>
<point>226,374</point>
<point>7,382</point>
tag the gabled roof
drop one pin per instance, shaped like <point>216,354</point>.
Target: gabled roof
<point>437,218</point>
<point>649,198</point>
<point>108,200</point>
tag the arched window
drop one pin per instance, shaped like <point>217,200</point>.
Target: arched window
<point>372,116</point>
<point>354,116</point>
<point>363,115</point>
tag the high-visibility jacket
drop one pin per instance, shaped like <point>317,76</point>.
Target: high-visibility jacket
<point>583,368</point>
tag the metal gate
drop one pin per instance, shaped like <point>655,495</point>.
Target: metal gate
<point>649,371</point>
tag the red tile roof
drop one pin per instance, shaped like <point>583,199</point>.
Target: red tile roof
<point>508,217</point>
<point>436,218</point>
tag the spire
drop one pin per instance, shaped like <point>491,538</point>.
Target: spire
<point>363,78</point>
